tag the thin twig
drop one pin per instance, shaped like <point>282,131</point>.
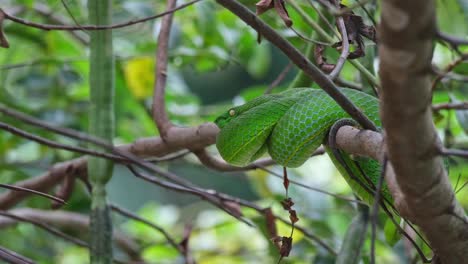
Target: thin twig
<point>159,103</point>
<point>45,125</point>
<point>93,27</point>
<point>454,152</point>
<point>3,39</point>
<point>13,257</point>
<point>300,35</point>
<point>72,221</point>
<point>375,208</point>
<point>324,19</point>
<point>448,68</point>
<point>279,79</point>
<point>450,106</point>
<point>194,137</point>
<point>135,217</point>
<point>342,11</point>
<point>21,189</point>
<point>217,164</point>
<point>214,163</point>
<point>223,203</point>
<point>53,144</point>
<point>65,5</point>
<point>208,196</point>
<point>461,187</point>
<point>46,227</point>
<point>311,236</point>
<point>334,195</point>
<point>451,40</point>
<point>44,182</point>
<point>345,83</point>
<point>297,58</point>
<point>169,157</point>
<point>344,49</point>
<point>127,156</point>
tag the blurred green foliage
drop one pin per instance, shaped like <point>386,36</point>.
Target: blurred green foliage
<point>215,61</point>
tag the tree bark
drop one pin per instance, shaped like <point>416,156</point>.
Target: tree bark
<point>406,45</point>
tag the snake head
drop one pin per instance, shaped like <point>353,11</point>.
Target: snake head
<point>234,112</point>
<point>225,118</point>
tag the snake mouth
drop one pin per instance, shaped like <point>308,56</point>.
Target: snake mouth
<point>221,121</point>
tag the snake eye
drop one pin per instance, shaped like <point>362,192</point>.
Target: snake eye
<point>232,112</point>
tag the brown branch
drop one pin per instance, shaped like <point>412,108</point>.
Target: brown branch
<point>406,47</point>
<point>346,10</point>
<point>454,152</point>
<point>344,47</point>
<point>219,165</point>
<point>13,257</point>
<point>279,78</point>
<point>44,182</point>
<point>71,221</point>
<point>448,68</point>
<point>46,227</point>
<point>199,192</point>
<point>310,236</point>
<point>54,144</point>
<point>21,189</point>
<point>294,182</point>
<point>297,58</point>
<point>451,40</point>
<point>159,103</point>
<point>48,14</point>
<point>375,209</point>
<point>345,83</point>
<point>93,27</point>
<point>135,217</point>
<point>194,137</point>
<point>126,154</point>
<point>450,106</point>
<point>227,203</point>
<point>3,39</point>
<point>314,41</point>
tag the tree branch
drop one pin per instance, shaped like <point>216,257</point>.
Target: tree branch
<point>68,220</point>
<point>344,47</point>
<point>450,106</point>
<point>159,103</point>
<point>297,58</point>
<point>13,257</point>
<point>92,27</point>
<point>21,189</point>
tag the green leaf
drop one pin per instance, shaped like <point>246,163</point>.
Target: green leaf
<point>160,253</point>
<point>392,236</point>
<point>259,62</point>
<point>462,117</point>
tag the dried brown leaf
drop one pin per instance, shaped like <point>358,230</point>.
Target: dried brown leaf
<point>286,246</point>
<point>278,5</point>
<point>293,216</point>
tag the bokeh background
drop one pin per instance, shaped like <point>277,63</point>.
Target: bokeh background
<point>215,62</point>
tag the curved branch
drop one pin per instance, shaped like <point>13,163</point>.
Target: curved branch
<point>297,58</point>
<point>13,257</point>
<point>67,220</point>
<point>92,27</point>
<point>345,49</point>
<point>159,103</point>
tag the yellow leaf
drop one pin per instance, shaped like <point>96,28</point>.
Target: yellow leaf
<point>285,230</point>
<point>139,75</point>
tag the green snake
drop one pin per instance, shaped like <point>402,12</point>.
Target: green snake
<point>290,126</point>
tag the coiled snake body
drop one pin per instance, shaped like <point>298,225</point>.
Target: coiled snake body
<point>290,126</point>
